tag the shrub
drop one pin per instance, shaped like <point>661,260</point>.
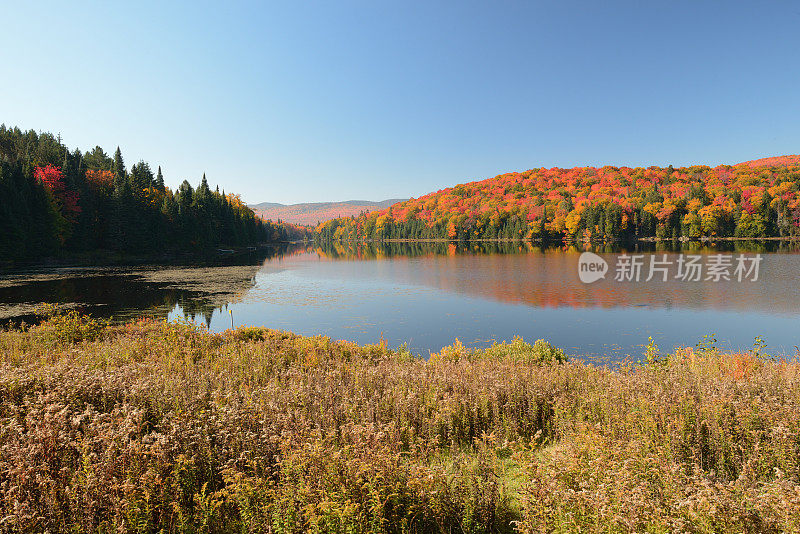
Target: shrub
<point>156,426</point>
<point>517,352</point>
<point>68,326</point>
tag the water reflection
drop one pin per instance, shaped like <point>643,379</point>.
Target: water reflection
<point>123,293</point>
<point>428,294</point>
<point>370,251</point>
<point>548,277</point>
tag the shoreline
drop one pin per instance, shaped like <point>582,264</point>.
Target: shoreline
<point>563,242</point>
<point>107,258</point>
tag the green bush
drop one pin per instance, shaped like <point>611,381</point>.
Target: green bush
<point>516,351</point>
<point>68,326</point>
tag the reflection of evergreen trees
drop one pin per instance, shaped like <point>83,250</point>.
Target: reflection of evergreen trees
<point>377,250</point>
<point>54,201</point>
<point>373,250</point>
<point>123,296</point>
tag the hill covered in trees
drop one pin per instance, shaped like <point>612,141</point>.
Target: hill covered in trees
<point>59,201</point>
<point>746,200</point>
<point>312,213</point>
<point>774,161</point>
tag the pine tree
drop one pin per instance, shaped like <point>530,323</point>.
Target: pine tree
<point>159,180</point>
<point>141,177</point>
<point>109,207</point>
<point>203,193</point>
<point>98,159</point>
<point>119,168</point>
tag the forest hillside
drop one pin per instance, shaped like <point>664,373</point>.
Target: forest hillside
<point>747,200</point>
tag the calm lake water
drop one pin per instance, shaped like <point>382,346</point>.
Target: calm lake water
<point>428,295</point>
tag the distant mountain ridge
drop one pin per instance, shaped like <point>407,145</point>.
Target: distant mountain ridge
<point>774,161</point>
<point>309,213</point>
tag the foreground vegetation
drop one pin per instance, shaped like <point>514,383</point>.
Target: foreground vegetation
<point>156,426</point>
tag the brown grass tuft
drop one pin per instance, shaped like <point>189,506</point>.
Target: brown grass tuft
<point>156,426</point>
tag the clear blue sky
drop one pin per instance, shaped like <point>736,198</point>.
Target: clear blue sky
<point>312,101</point>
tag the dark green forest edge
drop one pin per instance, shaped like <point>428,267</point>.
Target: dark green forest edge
<point>56,202</point>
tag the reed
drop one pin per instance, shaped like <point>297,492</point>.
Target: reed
<point>155,426</point>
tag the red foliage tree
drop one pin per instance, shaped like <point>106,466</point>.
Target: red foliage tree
<point>66,200</point>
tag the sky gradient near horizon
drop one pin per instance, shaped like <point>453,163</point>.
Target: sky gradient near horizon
<point>328,101</point>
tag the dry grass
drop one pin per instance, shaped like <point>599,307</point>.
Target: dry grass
<point>157,426</point>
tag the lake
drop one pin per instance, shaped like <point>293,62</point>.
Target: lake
<point>427,295</point>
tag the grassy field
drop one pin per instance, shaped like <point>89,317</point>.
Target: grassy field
<point>156,426</point>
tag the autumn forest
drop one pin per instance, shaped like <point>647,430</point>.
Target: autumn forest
<point>58,201</point>
<point>750,200</point>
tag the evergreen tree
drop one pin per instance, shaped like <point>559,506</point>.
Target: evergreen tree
<point>141,178</point>
<point>98,159</point>
<point>204,190</point>
<point>159,184</point>
<point>53,200</point>
<point>119,167</point>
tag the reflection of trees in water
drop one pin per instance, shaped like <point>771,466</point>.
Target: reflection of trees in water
<point>524,279</point>
<point>369,251</point>
<point>120,298</point>
<point>547,276</point>
<point>153,291</point>
<point>199,291</point>
<point>377,250</point>
<point>197,307</point>
<point>202,299</point>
